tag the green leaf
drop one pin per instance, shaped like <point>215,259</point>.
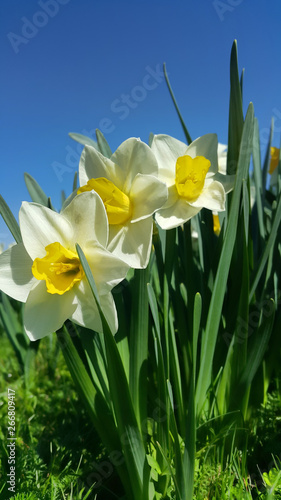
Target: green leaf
<point>74,187</point>
<point>186,133</point>
<point>269,245</point>
<point>10,220</point>
<point>103,144</point>
<point>36,192</point>
<point>216,303</point>
<point>235,124</point>
<point>257,350</point>
<point>83,139</point>
<point>129,432</point>
<point>260,187</point>
<point>150,139</point>
<point>13,329</point>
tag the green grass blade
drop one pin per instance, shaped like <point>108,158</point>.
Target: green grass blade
<point>214,314</point>
<point>10,220</point>
<point>103,144</point>
<point>36,192</point>
<point>186,133</point>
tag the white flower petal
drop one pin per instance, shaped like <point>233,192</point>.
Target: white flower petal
<point>167,150</point>
<point>16,278</point>
<point>86,211</point>
<point>45,313</point>
<point>147,194</point>
<point>212,197</point>
<point>134,157</point>
<point>222,157</point>
<point>227,181</point>
<point>132,242</point>
<point>206,146</point>
<point>41,226</point>
<point>107,269</point>
<point>93,164</point>
<point>175,215</point>
<point>86,314</point>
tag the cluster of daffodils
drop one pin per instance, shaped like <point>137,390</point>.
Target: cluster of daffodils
<point>110,216</point>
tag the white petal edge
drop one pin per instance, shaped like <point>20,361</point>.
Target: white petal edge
<point>147,194</point>
<point>175,215</point>
<point>132,243</point>
<point>207,146</point>
<point>45,313</point>
<point>16,278</point>
<point>41,226</point>
<point>212,197</point>
<point>87,216</point>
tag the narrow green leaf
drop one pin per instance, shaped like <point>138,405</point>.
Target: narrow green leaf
<point>214,314</point>
<point>74,187</point>
<point>257,350</point>
<point>13,329</point>
<point>267,155</point>
<point>260,187</point>
<point>150,139</point>
<point>103,144</point>
<point>138,343</point>
<point>129,432</point>
<point>267,249</point>
<point>235,124</point>
<point>186,133</point>
<point>153,307</point>
<point>36,192</point>
<point>196,326</point>
<point>10,220</point>
<point>83,139</point>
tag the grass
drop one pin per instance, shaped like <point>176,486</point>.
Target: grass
<point>59,455</point>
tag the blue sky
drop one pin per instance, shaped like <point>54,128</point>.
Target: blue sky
<point>78,65</point>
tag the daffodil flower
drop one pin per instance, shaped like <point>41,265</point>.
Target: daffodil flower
<point>45,272</point>
<point>131,192</point>
<point>274,159</point>
<point>192,176</point>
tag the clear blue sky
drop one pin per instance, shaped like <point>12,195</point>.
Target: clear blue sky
<point>67,65</point>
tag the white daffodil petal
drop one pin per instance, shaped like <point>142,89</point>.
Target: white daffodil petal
<point>88,203</point>
<point>175,215</point>
<point>108,270</point>
<point>86,314</point>
<point>212,197</point>
<point>41,226</point>
<point>93,165</point>
<point>167,150</point>
<point>222,157</point>
<point>227,181</point>
<point>206,146</point>
<point>45,313</point>
<point>134,157</point>
<point>132,243</point>
<point>147,194</point>
<point>16,278</point>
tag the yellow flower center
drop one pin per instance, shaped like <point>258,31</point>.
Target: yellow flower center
<point>274,159</point>
<point>190,176</point>
<point>60,268</point>
<point>118,205</point>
